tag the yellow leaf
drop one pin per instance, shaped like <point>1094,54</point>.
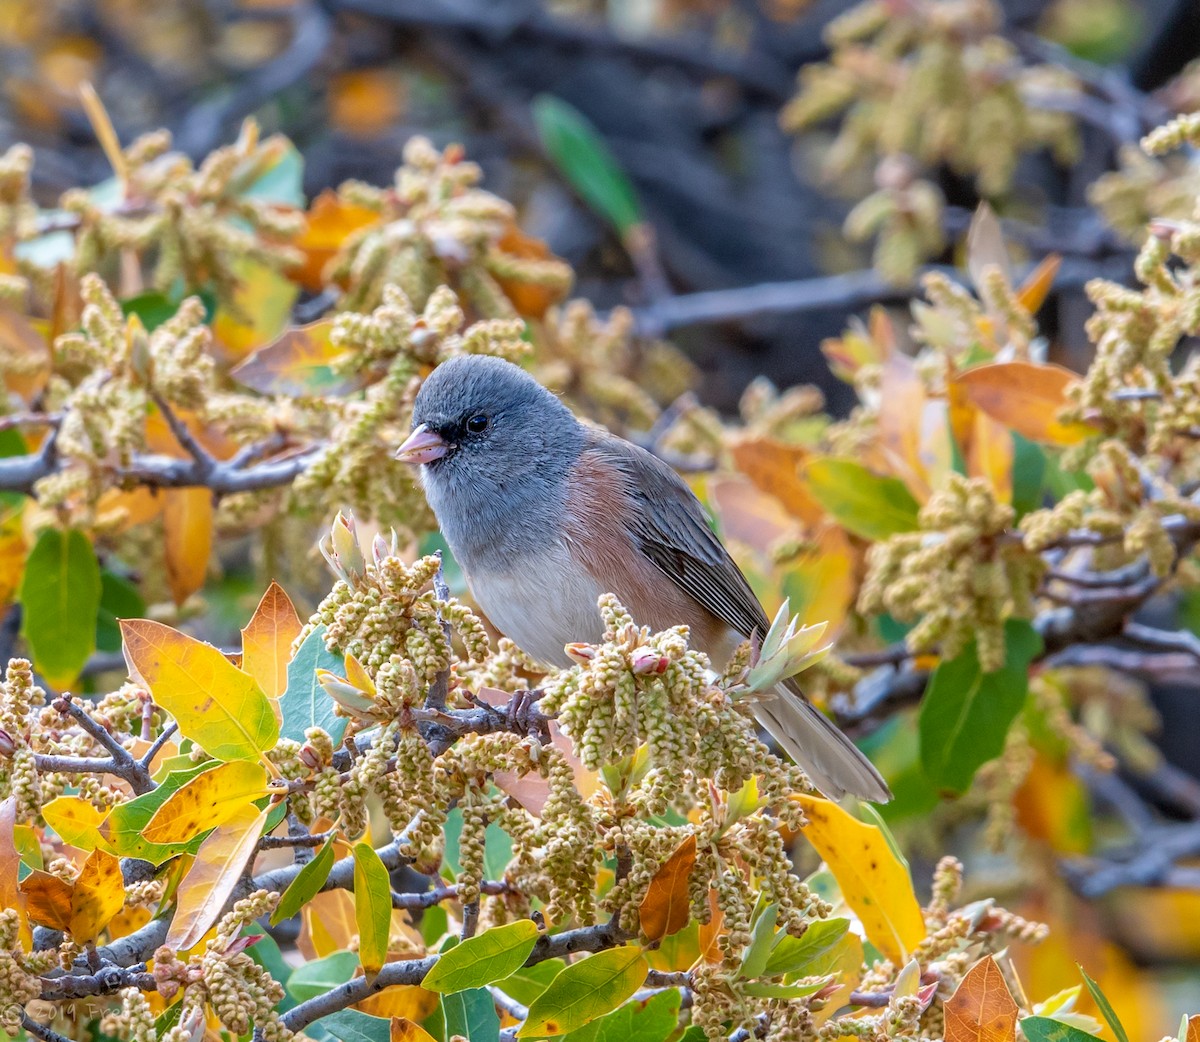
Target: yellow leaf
<point>98,895</point>
<point>299,363</point>
<point>1026,398</point>
<point>76,821</point>
<point>819,582</point>
<point>20,341</point>
<point>774,467</point>
<point>267,640</point>
<point>874,882</point>
<point>14,548</point>
<point>122,510</point>
<point>207,801</point>
<point>47,900</point>
<point>10,859</point>
<point>404,1030</point>
<point>710,932</point>
<point>259,311</point>
<point>666,908</point>
<point>216,705</point>
<point>219,864</point>
<point>407,1001</point>
<point>328,924</point>
<point>188,537</point>
<point>981,1008</point>
<point>991,456</point>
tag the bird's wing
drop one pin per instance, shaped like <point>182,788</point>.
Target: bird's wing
<point>671,529</point>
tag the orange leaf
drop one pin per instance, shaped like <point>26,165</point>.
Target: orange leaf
<point>710,932</point>
<point>991,456</point>
<point>666,909</point>
<point>745,513</point>
<point>1026,398</point>
<point>219,864</point>
<point>121,510</point>
<point>47,900</point>
<point>10,860</point>
<point>1036,287</point>
<point>14,548</point>
<point>981,1009</point>
<point>365,102</point>
<point>1193,1029</point>
<point>531,299</point>
<point>19,339</point>
<point>404,1030</point>
<point>330,221</point>
<point>188,536</point>
<point>406,1001</point>
<point>267,640</point>
<point>98,895</point>
<point>774,467</point>
<point>329,924</point>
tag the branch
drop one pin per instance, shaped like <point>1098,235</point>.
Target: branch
<point>120,764</point>
<point>105,982</point>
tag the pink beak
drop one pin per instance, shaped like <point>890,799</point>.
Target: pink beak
<point>422,446</point>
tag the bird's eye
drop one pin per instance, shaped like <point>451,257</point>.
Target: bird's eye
<point>478,424</point>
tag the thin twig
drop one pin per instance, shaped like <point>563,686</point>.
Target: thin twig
<point>41,1031</point>
<point>156,747</point>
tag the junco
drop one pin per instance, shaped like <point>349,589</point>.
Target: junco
<point>545,514</point>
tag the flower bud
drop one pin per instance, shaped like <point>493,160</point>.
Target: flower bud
<point>646,660</point>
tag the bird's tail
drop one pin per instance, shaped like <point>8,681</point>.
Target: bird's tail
<point>829,758</point>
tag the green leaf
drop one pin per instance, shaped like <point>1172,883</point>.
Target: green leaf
<point>576,148</point>
<point>497,847</point>
<point>153,308</point>
<point>861,501</point>
<point>796,954</point>
<point>754,960</point>
<point>1028,475</point>
<point>119,599</point>
<point>127,821</point>
<point>306,885</point>
<point>282,182</point>
<point>966,713</point>
<point>310,979</point>
<point>530,981</point>
<point>654,1020</point>
<point>584,991</point>
<point>372,907</point>
<point>472,1014</point>
<point>1044,1029</point>
<point>434,924</point>
<point>352,1026</point>
<point>60,599</point>
<point>766,990</point>
<point>1105,1007</point>
<point>304,703</point>
<point>485,959</point>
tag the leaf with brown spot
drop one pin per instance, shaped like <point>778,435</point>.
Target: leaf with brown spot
<point>98,895</point>
<point>188,538</point>
<point>873,880</point>
<point>47,900</point>
<point>404,1030</point>
<point>666,909</point>
<point>219,864</point>
<point>267,640</point>
<point>207,801</point>
<point>774,467</point>
<point>1026,398</point>
<point>76,820</point>
<point>981,1008</point>
<point>298,363</point>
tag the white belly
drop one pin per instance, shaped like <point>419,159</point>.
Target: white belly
<point>541,603</point>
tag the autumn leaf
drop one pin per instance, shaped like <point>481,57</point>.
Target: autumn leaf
<point>219,864</point>
<point>873,880</point>
<point>404,1030</point>
<point>76,820</point>
<point>207,801</point>
<point>215,704</point>
<point>1035,289</point>
<point>531,299</point>
<point>98,895</point>
<point>1026,398</point>
<point>774,467</point>
<point>710,932</point>
<point>365,102</point>
<point>21,342</point>
<point>864,503</point>
<point>330,221</point>
<point>262,303</point>
<point>10,860</point>
<point>666,907</point>
<point>991,455</point>
<point>47,900</point>
<point>981,1008</point>
<point>187,538</point>
<point>819,582</point>
<point>267,640</point>
<point>298,363</point>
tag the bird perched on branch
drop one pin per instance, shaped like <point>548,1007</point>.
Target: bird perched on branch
<point>545,514</point>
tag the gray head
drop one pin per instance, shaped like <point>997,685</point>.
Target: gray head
<point>492,444</point>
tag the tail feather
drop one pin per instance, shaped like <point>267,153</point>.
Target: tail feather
<point>829,758</point>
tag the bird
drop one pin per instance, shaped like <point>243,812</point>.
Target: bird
<point>544,514</point>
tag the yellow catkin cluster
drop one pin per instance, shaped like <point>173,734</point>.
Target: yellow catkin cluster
<point>437,228</point>
<point>201,225</point>
<point>960,577</point>
<point>604,371</point>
